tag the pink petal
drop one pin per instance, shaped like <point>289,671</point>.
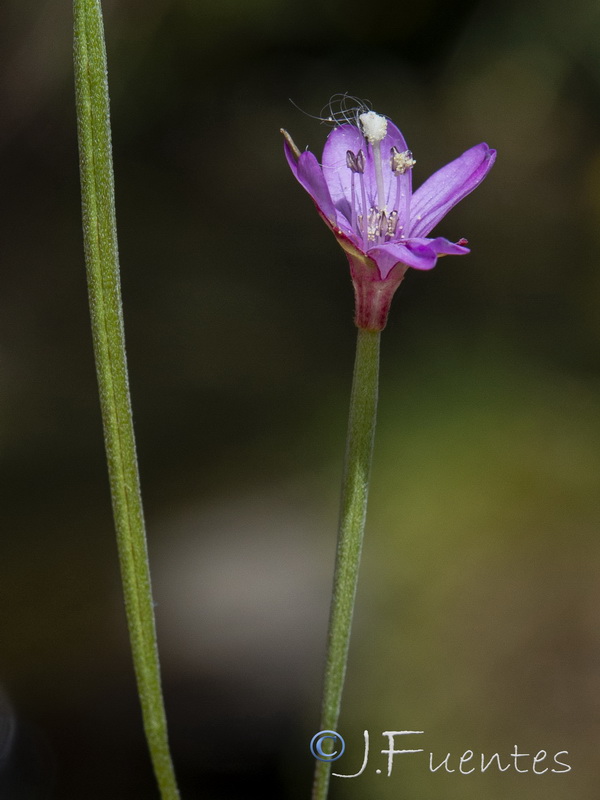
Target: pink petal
<point>386,256</point>
<point>309,173</point>
<point>441,246</point>
<point>445,188</point>
<point>416,253</point>
<point>336,172</point>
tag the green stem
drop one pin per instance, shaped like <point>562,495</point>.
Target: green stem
<point>353,510</point>
<point>102,263</point>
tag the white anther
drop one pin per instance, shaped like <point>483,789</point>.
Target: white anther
<point>374,126</point>
<point>401,162</point>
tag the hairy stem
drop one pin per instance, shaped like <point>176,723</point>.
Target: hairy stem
<point>353,509</point>
<point>102,264</point>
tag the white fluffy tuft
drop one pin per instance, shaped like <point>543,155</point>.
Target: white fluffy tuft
<point>374,126</point>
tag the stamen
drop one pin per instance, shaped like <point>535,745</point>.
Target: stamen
<point>355,163</point>
<point>360,162</point>
<point>380,226</point>
<point>391,226</point>
<point>353,196</point>
<point>401,163</point>
<point>373,224</point>
<point>383,224</point>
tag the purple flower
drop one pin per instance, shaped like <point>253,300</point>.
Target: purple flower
<point>363,192</point>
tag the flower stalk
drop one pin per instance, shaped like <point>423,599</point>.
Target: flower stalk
<point>362,190</point>
<point>102,265</point>
<point>353,510</point>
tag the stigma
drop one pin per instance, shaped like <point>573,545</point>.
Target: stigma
<point>374,126</point>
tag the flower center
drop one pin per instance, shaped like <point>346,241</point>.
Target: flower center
<point>374,223</point>
<point>379,226</point>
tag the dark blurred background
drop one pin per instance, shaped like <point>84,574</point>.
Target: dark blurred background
<point>477,615</point>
